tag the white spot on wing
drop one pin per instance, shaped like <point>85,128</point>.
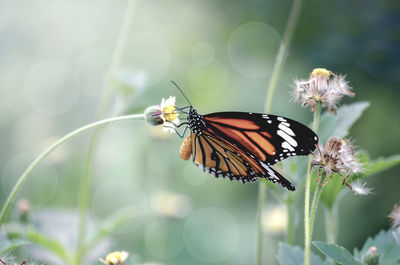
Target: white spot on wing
<point>286,129</point>
<point>286,146</point>
<point>281,119</point>
<point>287,138</point>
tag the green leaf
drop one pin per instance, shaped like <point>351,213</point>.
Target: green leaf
<point>50,244</point>
<point>339,125</point>
<point>381,164</point>
<point>337,253</point>
<point>387,247</point>
<point>294,255</point>
<point>7,245</point>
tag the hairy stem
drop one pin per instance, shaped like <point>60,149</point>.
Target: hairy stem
<point>51,148</point>
<point>307,227</point>
<point>286,40</point>
<point>330,223</point>
<point>317,195</point>
<point>289,227</point>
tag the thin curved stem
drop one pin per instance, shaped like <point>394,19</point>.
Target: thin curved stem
<point>48,150</point>
<point>286,40</point>
<point>307,227</point>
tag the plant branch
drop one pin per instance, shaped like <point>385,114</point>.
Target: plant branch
<point>51,148</point>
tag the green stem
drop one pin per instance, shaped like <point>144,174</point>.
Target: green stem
<point>317,195</point>
<point>84,191</point>
<point>330,221</point>
<point>286,40</point>
<point>46,152</point>
<point>289,227</point>
<point>307,227</point>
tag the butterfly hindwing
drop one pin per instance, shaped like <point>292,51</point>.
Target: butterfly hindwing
<point>222,159</point>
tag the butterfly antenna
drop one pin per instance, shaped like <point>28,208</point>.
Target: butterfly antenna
<point>173,82</point>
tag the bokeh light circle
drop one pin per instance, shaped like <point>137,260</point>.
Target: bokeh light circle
<point>252,48</point>
<point>51,87</point>
<point>163,239</point>
<point>145,61</point>
<point>208,81</point>
<point>39,188</point>
<point>211,234</point>
<point>85,34</point>
<point>202,53</point>
<point>118,193</point>
<point>193,176</point>
<point>92,67</point>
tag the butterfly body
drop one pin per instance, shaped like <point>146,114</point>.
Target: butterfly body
<point>243,146</point>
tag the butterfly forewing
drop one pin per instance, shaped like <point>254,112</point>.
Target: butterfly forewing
<point>268,138</point>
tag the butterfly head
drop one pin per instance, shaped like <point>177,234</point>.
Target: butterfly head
<point>196,122</point>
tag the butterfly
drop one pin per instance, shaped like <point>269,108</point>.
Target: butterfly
<point>243,146</point>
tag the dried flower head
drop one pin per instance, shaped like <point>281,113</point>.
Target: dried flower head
<point>323,86</point>
<point>394,216</point>
<point>360,188</point>
<point>116,258</point>
<point>337,156</point>
<point>165,114</point>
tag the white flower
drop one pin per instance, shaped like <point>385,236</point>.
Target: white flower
<point>322,86</point>
<point>116,258</point>
<point>360,188</point>
<point>164,114</point>
<point>169,114</point>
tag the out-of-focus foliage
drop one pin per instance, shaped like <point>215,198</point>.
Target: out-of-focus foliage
<point>54,56</point>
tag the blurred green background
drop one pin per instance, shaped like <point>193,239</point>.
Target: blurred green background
<point>54,56</point>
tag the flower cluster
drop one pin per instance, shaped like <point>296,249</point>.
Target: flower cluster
<point>164,114</point>
<point>323,86</point>
<point>338,156</point>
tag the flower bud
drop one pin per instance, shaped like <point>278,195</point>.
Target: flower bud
<point>153,115</point>
<point>372,256</point>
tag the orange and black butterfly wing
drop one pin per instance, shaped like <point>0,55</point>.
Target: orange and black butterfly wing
<point>267,138</point>
<point>221,158</point>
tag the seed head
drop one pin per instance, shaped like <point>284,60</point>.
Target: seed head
<point>394,216</point>
<point>322,86</point>
<point>337,156</point>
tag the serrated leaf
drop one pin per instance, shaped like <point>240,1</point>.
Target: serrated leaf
<point>339,125</point>
<point>50,244</point>
<point>387,247</point>
<point>337,253</point>
<point>294,255</point>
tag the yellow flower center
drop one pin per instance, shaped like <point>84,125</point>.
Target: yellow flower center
<point>321,72</point>
<point>117,257</point>
<point>169,113</point>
